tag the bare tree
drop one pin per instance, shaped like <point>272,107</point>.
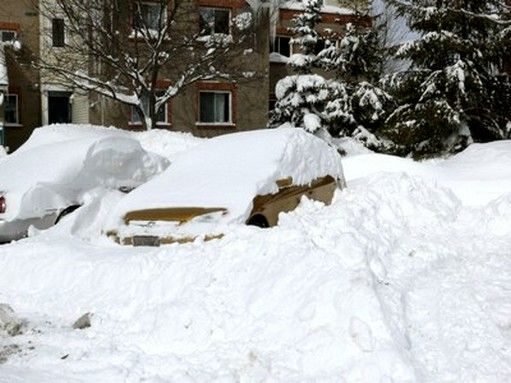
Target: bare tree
<point>122,49</point>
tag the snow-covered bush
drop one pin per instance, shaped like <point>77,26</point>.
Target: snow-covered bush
<point>345,105</point>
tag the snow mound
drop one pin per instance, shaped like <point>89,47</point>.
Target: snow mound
<point>52,134</point>
<point>477,175</point>
<point>163,142</point>
<point>166,143</point>
<point>389,283</point>
<point>55,173</point>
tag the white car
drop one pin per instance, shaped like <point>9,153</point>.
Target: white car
<point>48,176</point>
<point>239,178</point>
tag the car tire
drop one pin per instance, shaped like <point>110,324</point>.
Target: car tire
<point>68,210</point>
<point>258,220</point>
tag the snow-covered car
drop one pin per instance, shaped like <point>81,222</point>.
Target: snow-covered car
<point>247,177</point>
<point>46,179</point>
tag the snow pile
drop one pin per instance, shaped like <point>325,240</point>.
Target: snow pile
<point>163,142</point>
<point>477,175</point>
<point>207,177</point>
<point>396,281</point>
<point>166,143</point>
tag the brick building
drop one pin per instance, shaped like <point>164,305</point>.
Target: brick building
<point>33,98</point>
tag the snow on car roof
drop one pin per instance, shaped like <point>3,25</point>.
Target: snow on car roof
<point>229,171</point>
<point>49,169</point>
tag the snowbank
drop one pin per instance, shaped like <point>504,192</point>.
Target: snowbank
<point>477,175</point>
<point>159,141</point>
<point>397,281</point>
<point>40,178</point>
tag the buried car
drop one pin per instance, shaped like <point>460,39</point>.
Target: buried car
<point>247,177</point>
<point>43,181</point>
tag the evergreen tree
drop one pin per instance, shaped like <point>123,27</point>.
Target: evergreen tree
<point>304,95</point>
<point>357,64</point>
<point>455,91</point>
<point>305,36</point>
<point>349,103</point>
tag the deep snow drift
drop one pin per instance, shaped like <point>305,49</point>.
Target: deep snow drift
<point>405,277</point>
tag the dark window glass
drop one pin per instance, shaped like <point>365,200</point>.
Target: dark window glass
<point>11,109</point>
<point>281,45</point>
<point>214,107</point>
<point>160,117</point>
<point>7,36</point>
<point>58,33</point>
<point>214,20</point>
<point>271,105</point>
<point>148,16</point>
<point>320,45</point>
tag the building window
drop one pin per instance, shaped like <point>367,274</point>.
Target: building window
<point>214,20</point>
<point>58,33</point>
<point>11,109</point>
<point>161,117</point>
<point>215,107</point>
<point>150,16</point>
<point>281,45</point>
<point>7,35</point>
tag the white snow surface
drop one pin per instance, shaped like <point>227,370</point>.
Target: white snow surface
<point>53,176</point>
<point>59,163</point>
<point>230,170</point>
<point>160,141</point>
<point>326,8</point>
<point>404,278</point>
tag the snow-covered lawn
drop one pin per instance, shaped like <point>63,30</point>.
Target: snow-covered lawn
<point>405,277</point>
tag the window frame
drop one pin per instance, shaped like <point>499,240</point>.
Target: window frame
<point>229,17</point>
<point>230,120</point>
<point>6,96</point>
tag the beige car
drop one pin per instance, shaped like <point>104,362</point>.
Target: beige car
<point>205,191</point>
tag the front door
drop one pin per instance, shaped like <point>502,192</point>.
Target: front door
<point>59,108</point>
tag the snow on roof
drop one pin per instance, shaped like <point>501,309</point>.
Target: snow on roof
<point>4,80</point>
<point>298,5</point>
<point>230,170</point>
<point>276,57</point>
